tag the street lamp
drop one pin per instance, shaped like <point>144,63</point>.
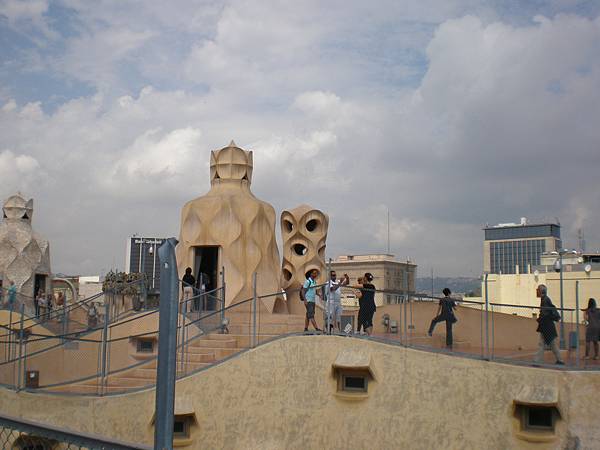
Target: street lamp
<point>558,266</point>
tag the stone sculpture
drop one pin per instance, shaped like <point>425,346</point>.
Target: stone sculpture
<point>304,234</point>
<point>230,228</point>
<point>24,254</point>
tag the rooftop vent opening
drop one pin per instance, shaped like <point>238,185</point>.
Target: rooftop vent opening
<point>300,249</point>
<point>312,225</point>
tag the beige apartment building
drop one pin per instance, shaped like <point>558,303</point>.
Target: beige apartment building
<point>580,278</point>
<point>388,273</point>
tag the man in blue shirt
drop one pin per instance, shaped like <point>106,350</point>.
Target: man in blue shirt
<point>307,294</point>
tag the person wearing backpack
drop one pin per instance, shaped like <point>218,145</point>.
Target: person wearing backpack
<point>546,328</point>
<point>307,295</point>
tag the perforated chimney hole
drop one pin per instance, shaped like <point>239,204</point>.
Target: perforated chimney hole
<point>287,275</point>
<point>299,249</point>
<point>289,226</point>
<point>312,225</point>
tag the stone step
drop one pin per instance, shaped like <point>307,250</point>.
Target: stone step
<point>195,357</point>
<point>214,343</point>
<point>264,328</point>
<point>89,389</point>
<point>245,340</point>
<point>129,382</point>
<point>145,373</point>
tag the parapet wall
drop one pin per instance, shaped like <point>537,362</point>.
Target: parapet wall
<point>283,395</point>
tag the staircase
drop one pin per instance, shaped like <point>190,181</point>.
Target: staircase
<point>201,352</point>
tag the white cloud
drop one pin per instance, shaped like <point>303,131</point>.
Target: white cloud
<point>18,172</point>
<point>15,10</point>
<point>154,162</point>
<point>504,108</point>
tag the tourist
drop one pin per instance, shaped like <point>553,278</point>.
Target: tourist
<point>445,313</point>
<point>49,305</point>
<point>36,303</point>
<point>366,304</point>
<point>307,295</point>
<point>92,317</point>
<point>187,284</point>
<point>546,328</point>
<point>12,295</point>
<point>61,304</point>
<point>592,329</point>
<point>43,306</point>
<point>333,307</point>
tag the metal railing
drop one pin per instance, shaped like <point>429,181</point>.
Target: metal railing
<point>18,433</point>
<point>110,357</point>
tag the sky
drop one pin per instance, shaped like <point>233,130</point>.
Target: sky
<point>449,114</point>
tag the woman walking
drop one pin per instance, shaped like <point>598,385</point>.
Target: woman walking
<point>592,329</point>
<point>366,303</point>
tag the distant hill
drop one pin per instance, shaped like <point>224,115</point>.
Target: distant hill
<point>458,285</point>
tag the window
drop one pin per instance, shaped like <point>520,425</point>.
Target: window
<point>354,383</point>
<point>538,418</point>
<point>181,427</point>
<point>145,346</point>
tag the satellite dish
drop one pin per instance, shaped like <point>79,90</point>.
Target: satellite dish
<point>588,268</point>
<point>580,260</point>
<point>536,273</point>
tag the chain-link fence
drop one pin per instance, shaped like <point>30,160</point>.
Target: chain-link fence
<point>20,434</point>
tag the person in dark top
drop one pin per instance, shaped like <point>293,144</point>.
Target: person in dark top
<point>366,303</point>
<point>187,285</point>
<point>445,313</point>
<point>546,328</point>
<point>592,329</point>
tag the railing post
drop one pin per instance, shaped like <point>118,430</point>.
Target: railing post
<point>167,346</point>
<point>10,335</point>
<point>64,320</point>
<point>18,380</point>
<point>183,310</point>
<point>104,344</point>
<point>222,295</point>
<point>487,331</point>
<point>326,297</point>
<point>577,318</point>
<point>405,282</point>
<point>254,309</point>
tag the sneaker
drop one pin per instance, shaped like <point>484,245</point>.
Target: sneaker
<point>318,330</point>
<point>560,363</point>
<point>306,330</point>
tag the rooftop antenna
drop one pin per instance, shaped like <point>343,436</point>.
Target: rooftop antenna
<point>388,231</point>
<point>581,239</point>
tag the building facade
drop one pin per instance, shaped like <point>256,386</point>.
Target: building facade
<point>388,274</point>
<point>514,248</point>
<point>142,257</point>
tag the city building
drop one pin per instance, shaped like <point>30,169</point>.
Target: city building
<point>511,248</point>
<point>142,257</point>
<point>388,274</point>
<point>580,281</point>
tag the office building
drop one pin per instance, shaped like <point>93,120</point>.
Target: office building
<point>388,274</point>
<point>142,257</point>
<point>514,248</point>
